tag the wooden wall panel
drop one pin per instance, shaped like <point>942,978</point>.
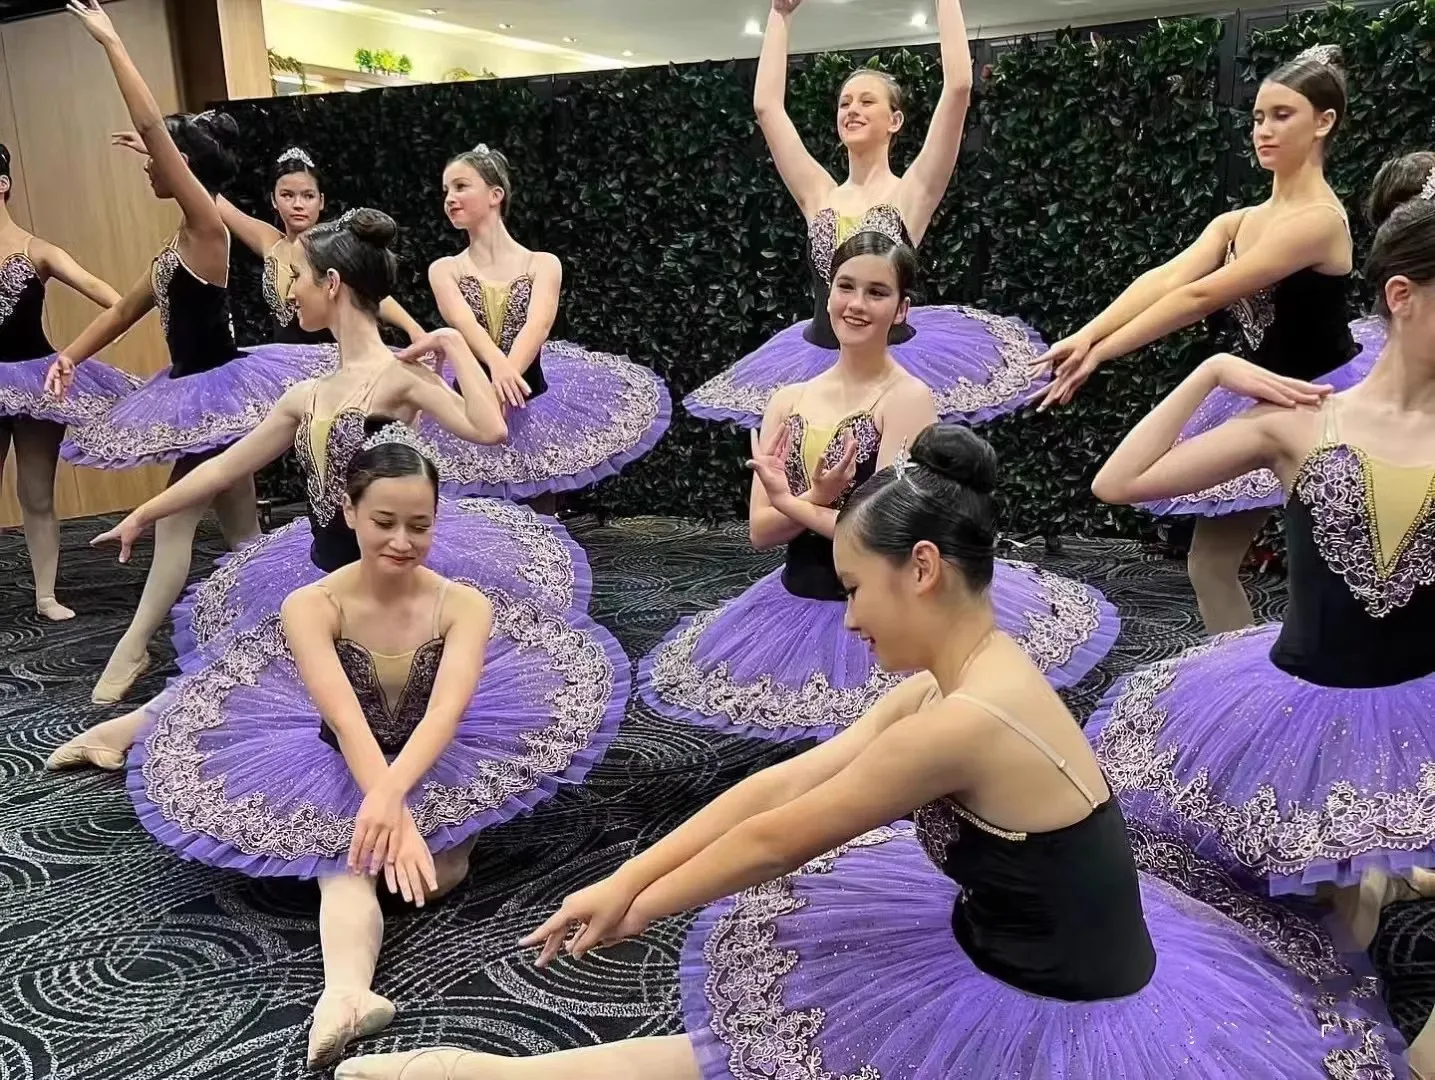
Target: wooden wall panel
<point>246,51</point>
<point>58,106</point>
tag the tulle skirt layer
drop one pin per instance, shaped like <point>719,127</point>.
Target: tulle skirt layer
<point>96,389</point>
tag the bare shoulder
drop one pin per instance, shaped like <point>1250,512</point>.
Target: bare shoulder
<point>909,392</point>
<point>464,603</point>
<point>545,262</point>
<point>445,266</point>
<point>308,603</point>
<point>41,252</point>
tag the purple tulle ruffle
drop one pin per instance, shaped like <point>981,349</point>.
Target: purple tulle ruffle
<point>96,388</point>
<point>777,666</point>
<point>977,365</point>
<point>600,413</point>
<point>497,545</point>
<point>1260,489</point>
<point>232,772</point>
<point>167,419</point>
<point>1287,783</point>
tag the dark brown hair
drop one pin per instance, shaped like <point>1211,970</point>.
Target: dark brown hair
<point>1398,181</point>
<point>1404,247</point>
<point>1318,76</point>
<point>492,168</point>
<point>357,245</point>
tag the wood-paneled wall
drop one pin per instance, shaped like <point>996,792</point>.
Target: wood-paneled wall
<point>58,106</point>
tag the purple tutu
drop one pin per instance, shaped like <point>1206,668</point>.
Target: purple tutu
<point>849,968</point>
<point>496,544</point>
<point>1286,783</point>
<point>777,666</point>
<point>232,771</point>
<point>1260,489</point>
<point>600,413</point>
<point>96,388</point>
<point>977,365</point>
<point>167,419</point>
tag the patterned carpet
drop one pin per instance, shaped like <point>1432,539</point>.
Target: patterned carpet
<point>119,962</point>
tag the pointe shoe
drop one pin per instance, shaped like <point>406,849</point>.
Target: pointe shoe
<point>436,1063</point>
<point>75,755</point>
<point>53,610</point>
<point>339,1019</point>
<point>108,691</point>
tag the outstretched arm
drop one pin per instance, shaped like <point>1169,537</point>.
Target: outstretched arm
<point>104,329</point>
<point>57,263</point>
<point>924,184</point>
<point>393,313</point>
<point>808,182</point>
<point>258,236</point>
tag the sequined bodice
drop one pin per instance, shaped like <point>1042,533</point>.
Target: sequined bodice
<point>22,310</point>
<point>1299,326</point>
<point>195,316</point>
<point>277,285</point>
<point>325,447</point>
<point>501,308</point>
<point>393,691</point>
<point>809,571</point>
<point>826,232</point>
<point>1360,537</point>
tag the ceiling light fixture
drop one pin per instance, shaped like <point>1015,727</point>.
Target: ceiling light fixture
<point>753,28</point>
<point>919,20</point>
<point>627,52</point>
<point>431,11</point>
<point>505,26</point>
<point>569,40</point>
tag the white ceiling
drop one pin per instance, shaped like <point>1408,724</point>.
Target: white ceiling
<point>659,31</point>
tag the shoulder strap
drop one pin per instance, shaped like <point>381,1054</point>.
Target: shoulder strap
<point>438,607</point>
<point>882,391</point>
<point>1032,737</point>
<point>1329,433</point>
<point>338,607</point>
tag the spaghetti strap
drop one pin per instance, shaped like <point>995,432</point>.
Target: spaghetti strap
<point>1329,433</point>
<point>338,607</point>
<point>438,606</point>
<point>1032,737</point>
<point>882,391</point>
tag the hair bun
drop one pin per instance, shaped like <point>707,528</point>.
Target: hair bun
<point>959,454</point>
<point>373,227</point>
<point>4,160</point>
<point>222,127</point>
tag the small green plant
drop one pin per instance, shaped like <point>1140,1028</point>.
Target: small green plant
<point>364,60</point>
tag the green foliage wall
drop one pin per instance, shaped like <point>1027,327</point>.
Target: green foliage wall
<point>1085,164</point>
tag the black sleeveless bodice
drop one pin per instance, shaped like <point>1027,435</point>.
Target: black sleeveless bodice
<point>325,449</point>
<point>22,311</point>
<point>809,571</point>
<point>1299,327</point>
<point>198,327</point>
<point>502,310</point>
<point>287,330</point>
<point>825,234</point>
<point>1361,580</point>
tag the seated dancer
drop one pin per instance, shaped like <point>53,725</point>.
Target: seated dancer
<point>1008,935</point>
<point>777,661</point>
<point>345,268</point>
<point>212,393</point>
<point>1283,270</point>
<point>574,416</point>
<point>298,199</point>
<point>352,735</point>
<point>32,419</point>
<point>1301,753</point>
<point>977,365</point>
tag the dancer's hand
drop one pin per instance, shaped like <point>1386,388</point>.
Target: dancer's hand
<point>431,349</point>
<point>126,532</point>
<point>600,913</point>
<point>94,19</point>
<point>376,830</point>
<point>829,483</point>
<point>411,873</point>
<point>512,389</point>
<point>130,141</point>
<point>60,377</point>
<point>1072,363</point>
<point>786,7</point>
<point>769,462</point>
<point>1245,378</point>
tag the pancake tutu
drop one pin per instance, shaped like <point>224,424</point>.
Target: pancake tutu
<point>1260,489</point>
<point>232,771</point>
<point>167,419</point>
<point>600,413</point>
<point>849,968</point>
<point>495,544</point>
<point>977,365</point>
<point>1286,783</point>
<point>777,666</point>
<point>97,387</point>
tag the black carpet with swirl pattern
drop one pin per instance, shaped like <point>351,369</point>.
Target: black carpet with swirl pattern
<point>120,962</point>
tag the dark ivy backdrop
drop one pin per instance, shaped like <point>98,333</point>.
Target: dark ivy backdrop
<point>1088,158</point>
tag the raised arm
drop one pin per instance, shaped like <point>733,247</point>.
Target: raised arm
<point>475,415</point>
<point>55,262</point>
<point>393,313</point>
<point>258,236</point>
<point>1150,464</point>
<point>201,215</point>
<point>542,311</point>
<point>808,182</point>
<point>924,184</point>
<point>104,329</point>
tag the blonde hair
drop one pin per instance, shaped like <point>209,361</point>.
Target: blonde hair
<point>895,95</point>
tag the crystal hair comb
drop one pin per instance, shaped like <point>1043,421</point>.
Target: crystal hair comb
<point>399,434</point>
<point>902,462</point>
<point>295,153</point>
<point>1428,191</point>
<point>1321,54</point>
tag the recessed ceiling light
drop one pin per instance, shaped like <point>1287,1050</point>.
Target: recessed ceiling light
<point>430,11</point>
<point>505,26</point>
<point>569,40</point>
<point>753,28</point>
<point>919,20</point>
<point>627,52</point>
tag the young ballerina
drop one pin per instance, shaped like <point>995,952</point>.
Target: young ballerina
<point>574,416</point>
<point>33,420</point>
<point>1009,934</point>
<point>977,365</point>
<point>351,736</point>
<point>212,393</point>
<point>1301,752</point>
<point>345,267</point>
<point>776,662</point>
<point>298,199</point>
<point>1283,269</point>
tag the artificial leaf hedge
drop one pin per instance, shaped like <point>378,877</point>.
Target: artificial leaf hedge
<point>1086,162</point>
